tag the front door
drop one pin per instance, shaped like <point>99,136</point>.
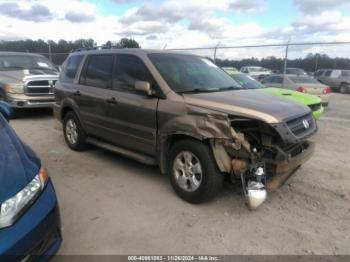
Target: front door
<point>132,117</point>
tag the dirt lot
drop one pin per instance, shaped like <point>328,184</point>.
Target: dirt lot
<point>113,205</point>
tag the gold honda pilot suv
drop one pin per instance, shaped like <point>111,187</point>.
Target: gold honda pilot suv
<point>184,114</point>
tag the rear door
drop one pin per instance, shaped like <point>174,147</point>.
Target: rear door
<point>132,118</point>
<point>93,90</point>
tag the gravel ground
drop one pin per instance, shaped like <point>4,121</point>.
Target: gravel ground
<point>113,205</point>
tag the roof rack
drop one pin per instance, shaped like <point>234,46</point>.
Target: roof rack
<point>95,48</point>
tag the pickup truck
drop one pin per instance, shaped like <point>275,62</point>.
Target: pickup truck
<point>27,80</point>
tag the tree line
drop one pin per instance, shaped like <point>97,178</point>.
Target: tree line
<point>310,63</point>
<point>60,49</point>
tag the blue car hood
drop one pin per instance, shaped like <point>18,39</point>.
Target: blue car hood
<point>18,163</point>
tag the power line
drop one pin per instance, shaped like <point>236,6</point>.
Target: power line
<point>267,45</point>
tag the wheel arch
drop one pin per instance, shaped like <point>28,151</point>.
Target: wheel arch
<point>166,142</point>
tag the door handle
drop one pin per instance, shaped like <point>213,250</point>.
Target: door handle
<point>77,93</point>
<point>112,101</point>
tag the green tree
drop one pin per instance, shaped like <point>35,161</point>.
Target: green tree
<point>128,43</point>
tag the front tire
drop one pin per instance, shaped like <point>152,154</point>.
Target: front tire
<point>193,172</point>
<point>73,132</point>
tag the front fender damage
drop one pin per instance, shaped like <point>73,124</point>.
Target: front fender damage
<point>231,149</point>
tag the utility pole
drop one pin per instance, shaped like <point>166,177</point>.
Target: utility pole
<point>216,47</point>
<point>316,63</point>
<point>50,54</point>
<point>286,58</point>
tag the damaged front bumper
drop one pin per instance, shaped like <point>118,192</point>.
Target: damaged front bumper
<point>287,167</point>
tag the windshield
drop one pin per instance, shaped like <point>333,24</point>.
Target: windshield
<point>20,62</point>
<point>247,81</point>
<point>187,73</point>
<point>304,80</point>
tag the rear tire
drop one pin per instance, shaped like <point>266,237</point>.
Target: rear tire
<point>196,179</point>
<point>74,133</point>
<point>344,88</point>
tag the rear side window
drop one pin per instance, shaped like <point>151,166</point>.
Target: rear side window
<point>71,67</point>
<point>328,73</point>
<point>128,70</point>
<point>319,72</point>
<point>98,71</point>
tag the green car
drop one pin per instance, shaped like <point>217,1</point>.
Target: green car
<point>314,102</point>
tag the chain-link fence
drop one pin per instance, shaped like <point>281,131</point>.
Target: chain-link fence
<point>278,57</point>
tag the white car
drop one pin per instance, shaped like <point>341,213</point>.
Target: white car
<point>257,72</point>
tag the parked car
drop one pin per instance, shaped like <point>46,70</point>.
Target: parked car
<point>229,69</point>
<point>257,72</point>
<point>338,80</point>
<point>29,217</point>
<point>27,80</point>
<point>303,84</point>
<point>314,102</point>
<point>295,71</point>
<point>186,115</point>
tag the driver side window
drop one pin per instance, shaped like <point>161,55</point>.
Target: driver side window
<point>129,69</point>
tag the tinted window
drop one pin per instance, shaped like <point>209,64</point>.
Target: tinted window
<point>98,71</point>
<point>319,72</point>
<point>328,73</point>
<point>71,67</point>
<point>128,70</point>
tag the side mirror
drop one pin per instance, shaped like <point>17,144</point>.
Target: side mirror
<point>144,87</point>
<point>5,110</point>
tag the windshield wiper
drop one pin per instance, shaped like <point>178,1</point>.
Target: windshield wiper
<point>231,88</point>
<point>198,90</point>
<point>44,68</point>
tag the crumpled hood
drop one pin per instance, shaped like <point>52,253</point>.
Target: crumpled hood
<point>15,76</point>
<point>295,96</point>
<point>248,103</point>
<point>18,163</point>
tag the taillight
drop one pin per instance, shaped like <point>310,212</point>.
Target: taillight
<point>327,90</point>
<point>301,89</point>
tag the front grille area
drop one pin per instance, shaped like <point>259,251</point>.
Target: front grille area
<point>299,127</point>
<point>315,107</point>
<point>40,87</point>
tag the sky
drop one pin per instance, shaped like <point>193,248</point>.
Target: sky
<point>183,23</point>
